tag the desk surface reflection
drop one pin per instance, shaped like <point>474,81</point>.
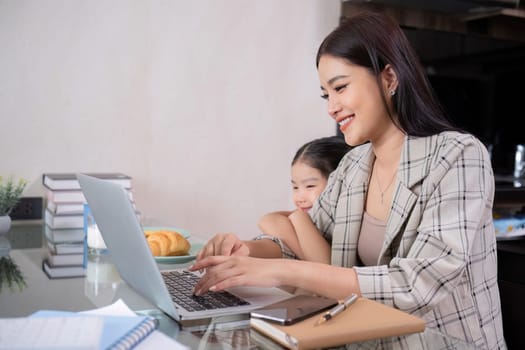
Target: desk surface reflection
<point>102,286</point>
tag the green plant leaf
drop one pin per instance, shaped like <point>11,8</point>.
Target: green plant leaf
<point>10,275</point>
<point>10,193</point>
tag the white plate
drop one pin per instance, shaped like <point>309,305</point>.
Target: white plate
<point>195,248</point>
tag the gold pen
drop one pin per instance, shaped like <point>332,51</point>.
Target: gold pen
<point>337,309</point>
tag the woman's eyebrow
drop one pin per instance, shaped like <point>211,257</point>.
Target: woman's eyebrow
<point>337,77</point>
<point>334,79</point>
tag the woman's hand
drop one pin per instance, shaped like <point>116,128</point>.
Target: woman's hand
<point>224,244</point>
<point>229,271</point>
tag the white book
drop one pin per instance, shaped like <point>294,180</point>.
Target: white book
<point>64,221</point>
<point>71,196</point>
<point>73,235</point>
<point>63,271</point>
<point>65,259</point>
<point>68,181</point>
<point>65,196</point>
<point>65,208</point>
<point>65,248</point>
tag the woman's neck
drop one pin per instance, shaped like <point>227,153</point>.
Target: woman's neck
<point>388,148</point>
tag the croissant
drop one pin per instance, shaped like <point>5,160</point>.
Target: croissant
<point>167,243</point>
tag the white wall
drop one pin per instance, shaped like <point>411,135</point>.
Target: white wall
<point>203,102</point>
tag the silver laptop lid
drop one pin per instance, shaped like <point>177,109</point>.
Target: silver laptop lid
<point>124,237</point>
<point>129,251</point>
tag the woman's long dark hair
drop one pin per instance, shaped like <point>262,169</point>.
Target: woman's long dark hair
<point>373,40</point>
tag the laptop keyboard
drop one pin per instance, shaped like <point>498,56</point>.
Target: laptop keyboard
<point>180,286</point>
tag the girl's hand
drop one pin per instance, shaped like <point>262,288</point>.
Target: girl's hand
<point>224,244</point>
<point>299,215</point>
<point>229,271</point>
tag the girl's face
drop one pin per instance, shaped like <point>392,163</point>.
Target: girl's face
<point>354,99</point>
<point>307,184</point>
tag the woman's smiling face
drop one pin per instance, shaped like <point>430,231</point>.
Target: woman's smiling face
<point>354,99</point>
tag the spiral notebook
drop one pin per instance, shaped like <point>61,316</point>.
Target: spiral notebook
<point>118,332</point>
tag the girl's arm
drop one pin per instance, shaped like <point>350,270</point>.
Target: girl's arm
<point>299,233</point>
<point>311,242</point>
<point>227,244</point>
<point>279,225</point>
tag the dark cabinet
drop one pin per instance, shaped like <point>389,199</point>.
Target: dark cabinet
<point>511,275</point>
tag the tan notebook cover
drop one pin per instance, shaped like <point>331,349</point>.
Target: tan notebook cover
<point>364,320</point>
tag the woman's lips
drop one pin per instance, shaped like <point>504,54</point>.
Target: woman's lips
<point>344,123</point>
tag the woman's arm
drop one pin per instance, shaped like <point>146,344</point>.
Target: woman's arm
<point>228,271</point>
<point>311,243</point>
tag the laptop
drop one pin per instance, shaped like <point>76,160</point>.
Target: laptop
<point>128,249</point>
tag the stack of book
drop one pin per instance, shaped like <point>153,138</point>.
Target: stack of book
<point>64,222</point>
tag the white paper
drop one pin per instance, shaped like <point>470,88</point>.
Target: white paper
<point>118,308</point>
<point>50,333</point>
<point>156,340</point>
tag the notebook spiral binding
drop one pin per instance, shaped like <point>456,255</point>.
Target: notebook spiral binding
<point>136,335</point>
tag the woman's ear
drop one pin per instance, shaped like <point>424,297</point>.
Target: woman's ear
<point>389,79</point>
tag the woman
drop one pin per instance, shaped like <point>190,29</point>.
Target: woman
<point>312,164</point>
<point>408,212</point>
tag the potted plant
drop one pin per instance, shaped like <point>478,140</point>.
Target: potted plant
<point>10,192</point>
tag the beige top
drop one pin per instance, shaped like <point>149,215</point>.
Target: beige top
<point>371,239</point>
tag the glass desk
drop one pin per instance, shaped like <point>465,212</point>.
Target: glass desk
<point>102,286</point>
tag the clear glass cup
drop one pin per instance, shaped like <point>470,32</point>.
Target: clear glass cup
<point>102,280</point>
<point>94,240</point>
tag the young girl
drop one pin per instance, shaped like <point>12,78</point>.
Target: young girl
<point>311,167</point>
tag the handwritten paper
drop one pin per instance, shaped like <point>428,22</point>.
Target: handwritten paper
<point>50,333</point>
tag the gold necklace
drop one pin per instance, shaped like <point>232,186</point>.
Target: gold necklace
<point>381,191</point>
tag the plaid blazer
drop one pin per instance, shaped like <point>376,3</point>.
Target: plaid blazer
<point>438,260</point>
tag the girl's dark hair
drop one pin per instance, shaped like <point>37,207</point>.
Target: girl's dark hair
<point>373,40</point>
<point>322,154</point>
